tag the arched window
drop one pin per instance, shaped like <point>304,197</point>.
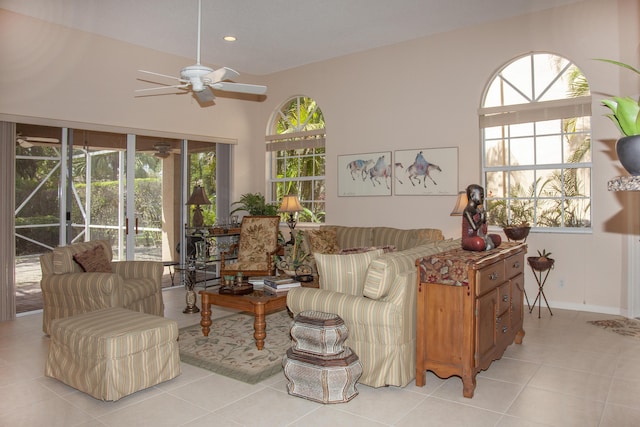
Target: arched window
<point>536,144</point>
<point>295,147</point>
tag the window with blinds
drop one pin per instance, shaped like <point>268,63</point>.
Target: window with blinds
<point>535,126</point>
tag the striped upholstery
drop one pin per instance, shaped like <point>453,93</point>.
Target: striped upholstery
<point>63,256</point>
<point>113,352</point>
<point>353,237</point>
<point>344,273</point>
<point>404,239</point>
<point>383,270</point>
<point>135,285</point>
<point>382,332</point>
<point>369,237</point>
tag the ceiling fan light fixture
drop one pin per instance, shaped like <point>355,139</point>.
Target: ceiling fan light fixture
<point>162,150</point>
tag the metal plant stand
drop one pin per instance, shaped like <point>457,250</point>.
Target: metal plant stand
<point>540,272</point>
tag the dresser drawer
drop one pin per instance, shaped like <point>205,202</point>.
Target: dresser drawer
<point>504,298</point>
<point>489,277</point>
<point>513,265</point>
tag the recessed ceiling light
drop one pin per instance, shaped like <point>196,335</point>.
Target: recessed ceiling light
<point>229,38</point>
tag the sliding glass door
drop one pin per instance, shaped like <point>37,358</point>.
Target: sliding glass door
<point>74,185</point>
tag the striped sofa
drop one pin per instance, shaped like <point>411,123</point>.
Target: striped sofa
<point>375,294</point>
<point>67,290</point>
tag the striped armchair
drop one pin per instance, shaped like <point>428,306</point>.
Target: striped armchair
<point>67,290</point>
<point>375,294</point>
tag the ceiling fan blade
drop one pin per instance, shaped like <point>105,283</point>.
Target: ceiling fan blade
<point>41,139</point>
<point>221,74</point>
<point>162,75</point>
<point>204,96</point>
<point>184,86</point>
<point>240,87</point>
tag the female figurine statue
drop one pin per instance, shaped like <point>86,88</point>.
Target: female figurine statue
<point>474,223</point>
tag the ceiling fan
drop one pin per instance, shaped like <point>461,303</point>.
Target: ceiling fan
<point>200,79</point>
<point>162,150</point>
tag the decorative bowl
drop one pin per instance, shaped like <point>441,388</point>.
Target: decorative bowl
<point>540,264</point>
<point>516,233</point>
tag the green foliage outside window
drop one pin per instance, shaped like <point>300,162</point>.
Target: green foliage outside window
<point>301,171</point>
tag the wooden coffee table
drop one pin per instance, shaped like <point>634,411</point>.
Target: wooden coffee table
<point>259,303</point>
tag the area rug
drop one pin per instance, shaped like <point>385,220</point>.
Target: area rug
<point>230,348</point>
<point>622,326</point>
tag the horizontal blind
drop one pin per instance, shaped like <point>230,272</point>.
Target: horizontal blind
<point>296,140</point>
<point>535,112</point>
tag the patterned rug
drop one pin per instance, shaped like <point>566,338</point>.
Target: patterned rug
<point>230,348</point>
<point>622,326</point>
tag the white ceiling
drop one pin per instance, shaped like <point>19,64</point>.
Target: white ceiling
<point>273,35</point>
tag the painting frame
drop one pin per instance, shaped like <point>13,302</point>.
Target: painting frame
<point>426,172</point>
<point>365,174</point>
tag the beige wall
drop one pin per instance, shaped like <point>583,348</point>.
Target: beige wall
<point>396,97</point>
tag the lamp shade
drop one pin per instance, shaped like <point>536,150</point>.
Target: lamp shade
<point>198,197</point>
<point>290,203</point>
<point>461,203</point>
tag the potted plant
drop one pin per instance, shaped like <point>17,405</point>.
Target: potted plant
<point>255,204</point>
<point>625,113</point>
<point>514,221</point>
<point>542,262</point>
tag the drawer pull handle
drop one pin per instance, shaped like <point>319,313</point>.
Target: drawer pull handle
<point>516,264</point>
<point>505,298</point>
<point>493,276</point>
<point>504,329</point>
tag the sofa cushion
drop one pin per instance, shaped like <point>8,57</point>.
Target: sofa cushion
<point>353,237</point>
<point>344,273</point>
<point>63,261</point>
<point>94,260</point>
<point>384,269</point>
<point>322,240</point>
<point>404,239</point>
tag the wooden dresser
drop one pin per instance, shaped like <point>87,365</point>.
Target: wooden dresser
<point>469,310</point>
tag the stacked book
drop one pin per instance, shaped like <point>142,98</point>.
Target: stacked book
<point>258,281</point>
<point>280,284</point>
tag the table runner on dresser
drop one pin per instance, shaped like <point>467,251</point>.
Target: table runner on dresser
<point>452,267</point>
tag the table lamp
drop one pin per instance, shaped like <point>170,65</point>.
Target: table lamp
<point>291,205</point>
<point>197,198</point>
<point>461,203</point>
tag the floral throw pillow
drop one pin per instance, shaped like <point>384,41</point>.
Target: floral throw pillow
<point>93,260</point>
<point>323,241</point>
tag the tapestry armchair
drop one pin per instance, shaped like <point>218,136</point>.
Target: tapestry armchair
<point>256,248</point>
<point>69,288</point>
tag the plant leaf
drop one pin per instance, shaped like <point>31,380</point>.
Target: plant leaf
<point>620,64</point>
<point>627,112</point>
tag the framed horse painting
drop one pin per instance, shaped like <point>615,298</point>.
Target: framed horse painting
<point>368,174</point>
<point>426,171</point>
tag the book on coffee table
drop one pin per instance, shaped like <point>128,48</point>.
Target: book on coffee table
<point>280,283</point>
<point>273,291</point>
<point>258,281</point>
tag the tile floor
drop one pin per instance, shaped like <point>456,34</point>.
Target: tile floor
<point>566,373</point>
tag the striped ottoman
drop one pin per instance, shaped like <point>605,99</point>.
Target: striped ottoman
<point>113,352</point>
